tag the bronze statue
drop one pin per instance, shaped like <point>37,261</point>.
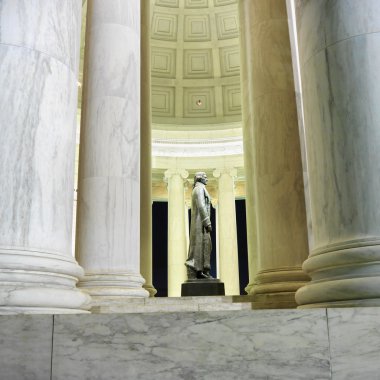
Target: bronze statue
<point>198,261</point>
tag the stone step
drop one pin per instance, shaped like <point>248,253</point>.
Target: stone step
<point>172,304</point>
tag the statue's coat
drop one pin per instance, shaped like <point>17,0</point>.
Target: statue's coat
<point>200,240</point>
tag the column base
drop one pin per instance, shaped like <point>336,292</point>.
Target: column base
<point>39,310</point>
<point>40,282</point>
<point>347,277</point>
<point>106,289</point>
<point>249,288</point>
<point>284,300</point>
<point>275,289</point>
<point>150,289</point>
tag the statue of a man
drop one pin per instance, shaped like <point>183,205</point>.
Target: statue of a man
<point>198,261</point>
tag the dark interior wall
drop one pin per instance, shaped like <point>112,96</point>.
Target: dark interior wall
<point>160,246</point>
<point>241,226</point>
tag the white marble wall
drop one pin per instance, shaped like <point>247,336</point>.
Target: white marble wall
<point>354,343</point>
<point>339,45</point>
<point>26,347</point>
<point>292,344</point>
<point>108,224</point>
<point>39,59</point>
<point>204,345</point>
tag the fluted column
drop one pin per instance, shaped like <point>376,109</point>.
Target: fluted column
<point>272,156</point>
<point>108,224</point>
<point>146,154</point>
<point>339,51</point>
<point>228,263</point>
<point>177,245</point>
<point>39,60</point>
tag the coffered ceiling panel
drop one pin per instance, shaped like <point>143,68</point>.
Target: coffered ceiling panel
<point>199,102</point>
<point>163,101</point>
<point>229,61</point>
<point>197,28</point>
<point>168,3</point>
<point>227,25</point>
<point>219,3</point>
<point>163,62</point>
<point>195,64</point>
<point>232,100</point>
<point>164,26</point>
<point>196,3</point>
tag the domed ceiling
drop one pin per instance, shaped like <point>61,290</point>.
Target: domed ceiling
<point>195,65</point>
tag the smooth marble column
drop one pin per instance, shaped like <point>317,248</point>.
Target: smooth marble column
<point>228,263</point>
<point>272,157</point>
<point>214,203</point>
<point>339,50</point>
<point>187,224</point>
<point>248,144</point>
<point>146,154</point>
<point>39,60</point>
<point>177,243</point>
<point>108,224</point>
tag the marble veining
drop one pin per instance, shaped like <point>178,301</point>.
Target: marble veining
<point>52,28</point>
<point>37,119</point>
<point>39,59</point>
<point>25,344</point>
<point>276,344</point>
<point>108,225</point>
<point>212,345</point>
<point>342,140</point>
<point>339,44</point>
<point>354,343</point>
<point>350,18</point>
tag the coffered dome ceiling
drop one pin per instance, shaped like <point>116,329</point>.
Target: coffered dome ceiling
<point>195,65</point>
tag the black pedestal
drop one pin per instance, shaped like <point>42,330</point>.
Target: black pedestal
<point>202,287</point>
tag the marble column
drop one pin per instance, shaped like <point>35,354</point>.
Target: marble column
<point>39,60</point>
<point>108,222</point>
<point>228,260</point>
<point>146,154</point>
<point>187,224</point>
<point>214,202</point>
<point>272,157</point>
<point>339,52</point>
<point>177,244</point>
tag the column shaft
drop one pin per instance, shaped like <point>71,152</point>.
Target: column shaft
<point>108,223</point>
<point>177,245</point>
<point>146,154</point>
<point>228,263</point>
<point>39,61</point>
<point>339,44</point>
<point>273,155</point>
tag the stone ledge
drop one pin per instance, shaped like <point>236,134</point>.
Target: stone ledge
<point>245,344</point>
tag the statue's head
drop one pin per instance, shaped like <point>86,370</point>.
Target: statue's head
<point>200,177</point>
